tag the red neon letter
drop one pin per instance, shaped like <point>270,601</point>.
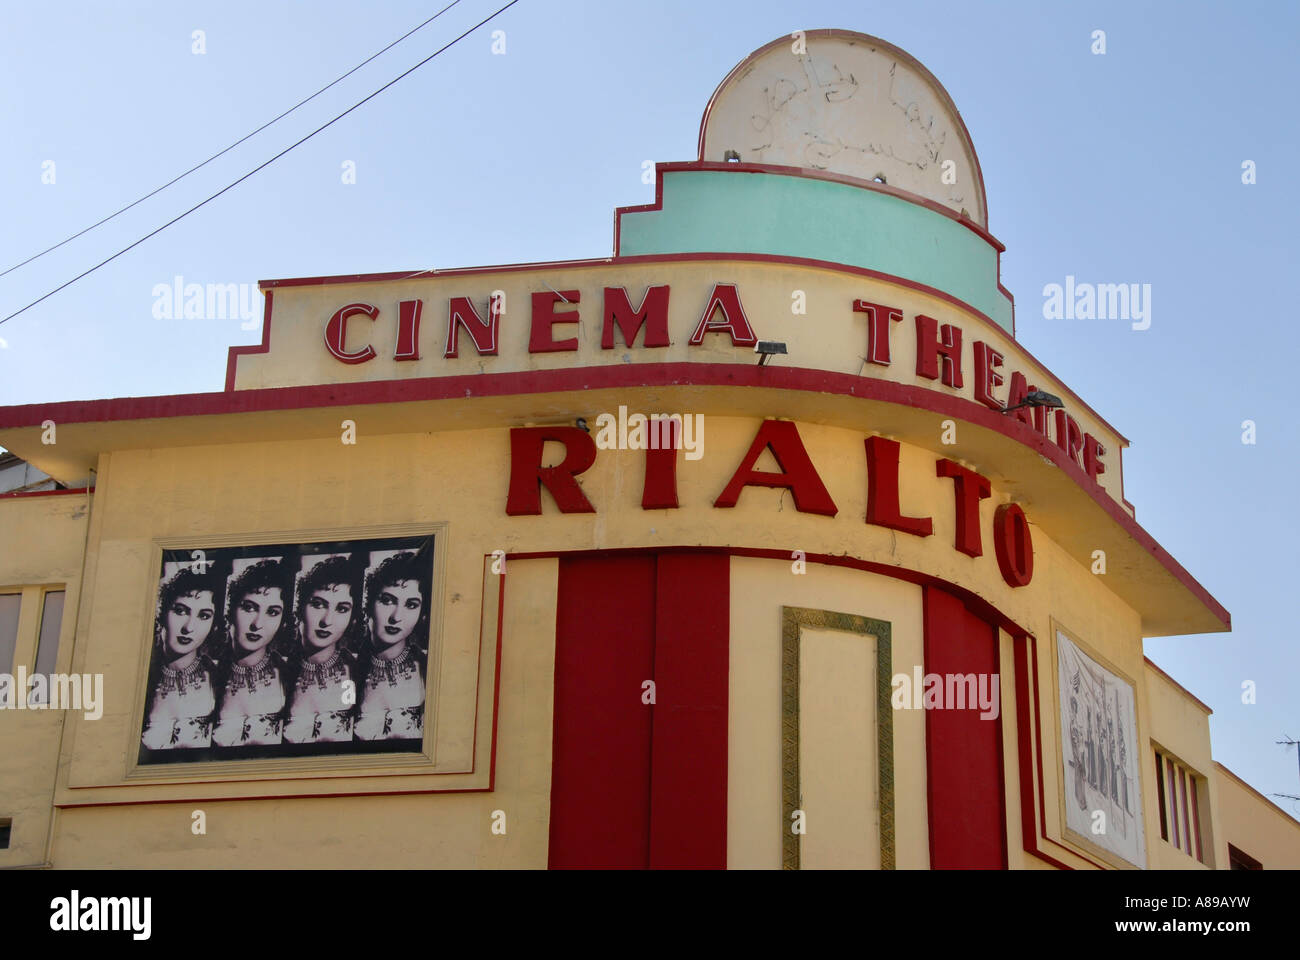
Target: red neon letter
<point>1016,392</point>
<point>1069,436</point>
<point>1014,547</point>
<point>1040,415</point>
<point>929,348</point>
<point>484,334</point>
<point>1093,451</point>
<point>408,330</point>
<point>798,474</point>
<point>653,315</point>
<point>986,358</point>
<point>336,332</point>
<point>878,328</point>
<point>660,490</point>
<point>540,339</point>
<point>734,323</point>
<point>528,476</point>
<point>969,489</point>
<point>882,490</point>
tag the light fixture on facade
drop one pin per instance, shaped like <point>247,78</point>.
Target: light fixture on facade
<point>768,348</point>
<point>1037,399</point>
<point>731,156</point>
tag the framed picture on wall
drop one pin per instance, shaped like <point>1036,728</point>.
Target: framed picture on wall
<point>1100,761</point>
<point>272,650</point>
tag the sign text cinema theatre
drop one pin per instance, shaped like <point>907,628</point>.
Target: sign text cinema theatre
<point>938,345</point>
<point>1011,538</point>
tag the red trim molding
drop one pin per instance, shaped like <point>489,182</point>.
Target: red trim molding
<point>18,494</point>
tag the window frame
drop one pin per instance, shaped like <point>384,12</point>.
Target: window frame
<point>1179,786</point>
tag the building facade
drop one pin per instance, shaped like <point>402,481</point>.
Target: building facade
<point>761,543</point>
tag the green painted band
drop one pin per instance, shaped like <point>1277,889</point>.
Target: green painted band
<point>715,211</point>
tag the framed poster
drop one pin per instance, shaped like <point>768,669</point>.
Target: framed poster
<point>1102,786</point>
<point>290,650</point>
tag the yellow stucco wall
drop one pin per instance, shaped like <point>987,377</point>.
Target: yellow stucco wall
<point>759,589</point>
<point>1254,824</point>
<point>1180,728</point>
<point>197,493</point>
<point>42,541</point>
<point>429,831</point>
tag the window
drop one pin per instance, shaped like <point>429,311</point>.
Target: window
<point>6,825</point>
<point>1240,860</point>
<point>9,604</point>
<point>47,649</point>
<point>1180,806</point>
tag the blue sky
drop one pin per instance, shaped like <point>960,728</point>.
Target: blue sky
<point>1117,168</point>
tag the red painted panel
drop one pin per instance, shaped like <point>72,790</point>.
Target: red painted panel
<point>600,773</point>
<point>963,752</point>
<point>688,806</point>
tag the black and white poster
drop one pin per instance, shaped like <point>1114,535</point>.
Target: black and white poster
<point>1103,796</point>
<point>288,650</point>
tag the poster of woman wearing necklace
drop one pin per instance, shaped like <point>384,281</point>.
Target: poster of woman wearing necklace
<point>251,675</point>
<point>289,650</point>
<point>393,664</point>
<point>181,701</point>
<point>322,697</point>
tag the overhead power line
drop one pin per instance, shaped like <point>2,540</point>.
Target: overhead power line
<point>263,165</point>
<point>220,153</point>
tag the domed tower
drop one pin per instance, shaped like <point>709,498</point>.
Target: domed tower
<point>861,159</point>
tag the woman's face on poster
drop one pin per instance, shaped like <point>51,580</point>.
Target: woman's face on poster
<point>326,616</point>
<point>257,618</point>
<point>189,621</point>
<point>396,611</point>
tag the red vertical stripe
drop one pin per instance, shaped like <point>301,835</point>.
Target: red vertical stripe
<point>688,806</point>
<point>1187,826</point>
<point>1160,795</point>
<point>1196,822</point>
<point>963,752</point>
<point>1173,800</point>
<point>600,773</point>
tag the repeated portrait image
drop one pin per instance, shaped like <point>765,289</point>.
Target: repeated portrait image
<point>290,650</point>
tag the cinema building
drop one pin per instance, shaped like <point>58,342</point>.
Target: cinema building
<point>762,543</point>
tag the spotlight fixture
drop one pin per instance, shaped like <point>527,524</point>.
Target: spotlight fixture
<point>581,424</point>
<point>767,349</point>
<point>1037,399</point>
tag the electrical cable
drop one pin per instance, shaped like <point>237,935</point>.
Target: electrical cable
<point>219,153</point>
<point>261,165</point>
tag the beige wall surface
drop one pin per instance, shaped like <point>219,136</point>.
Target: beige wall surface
<point>838,758</point>
<point>755,824</point>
